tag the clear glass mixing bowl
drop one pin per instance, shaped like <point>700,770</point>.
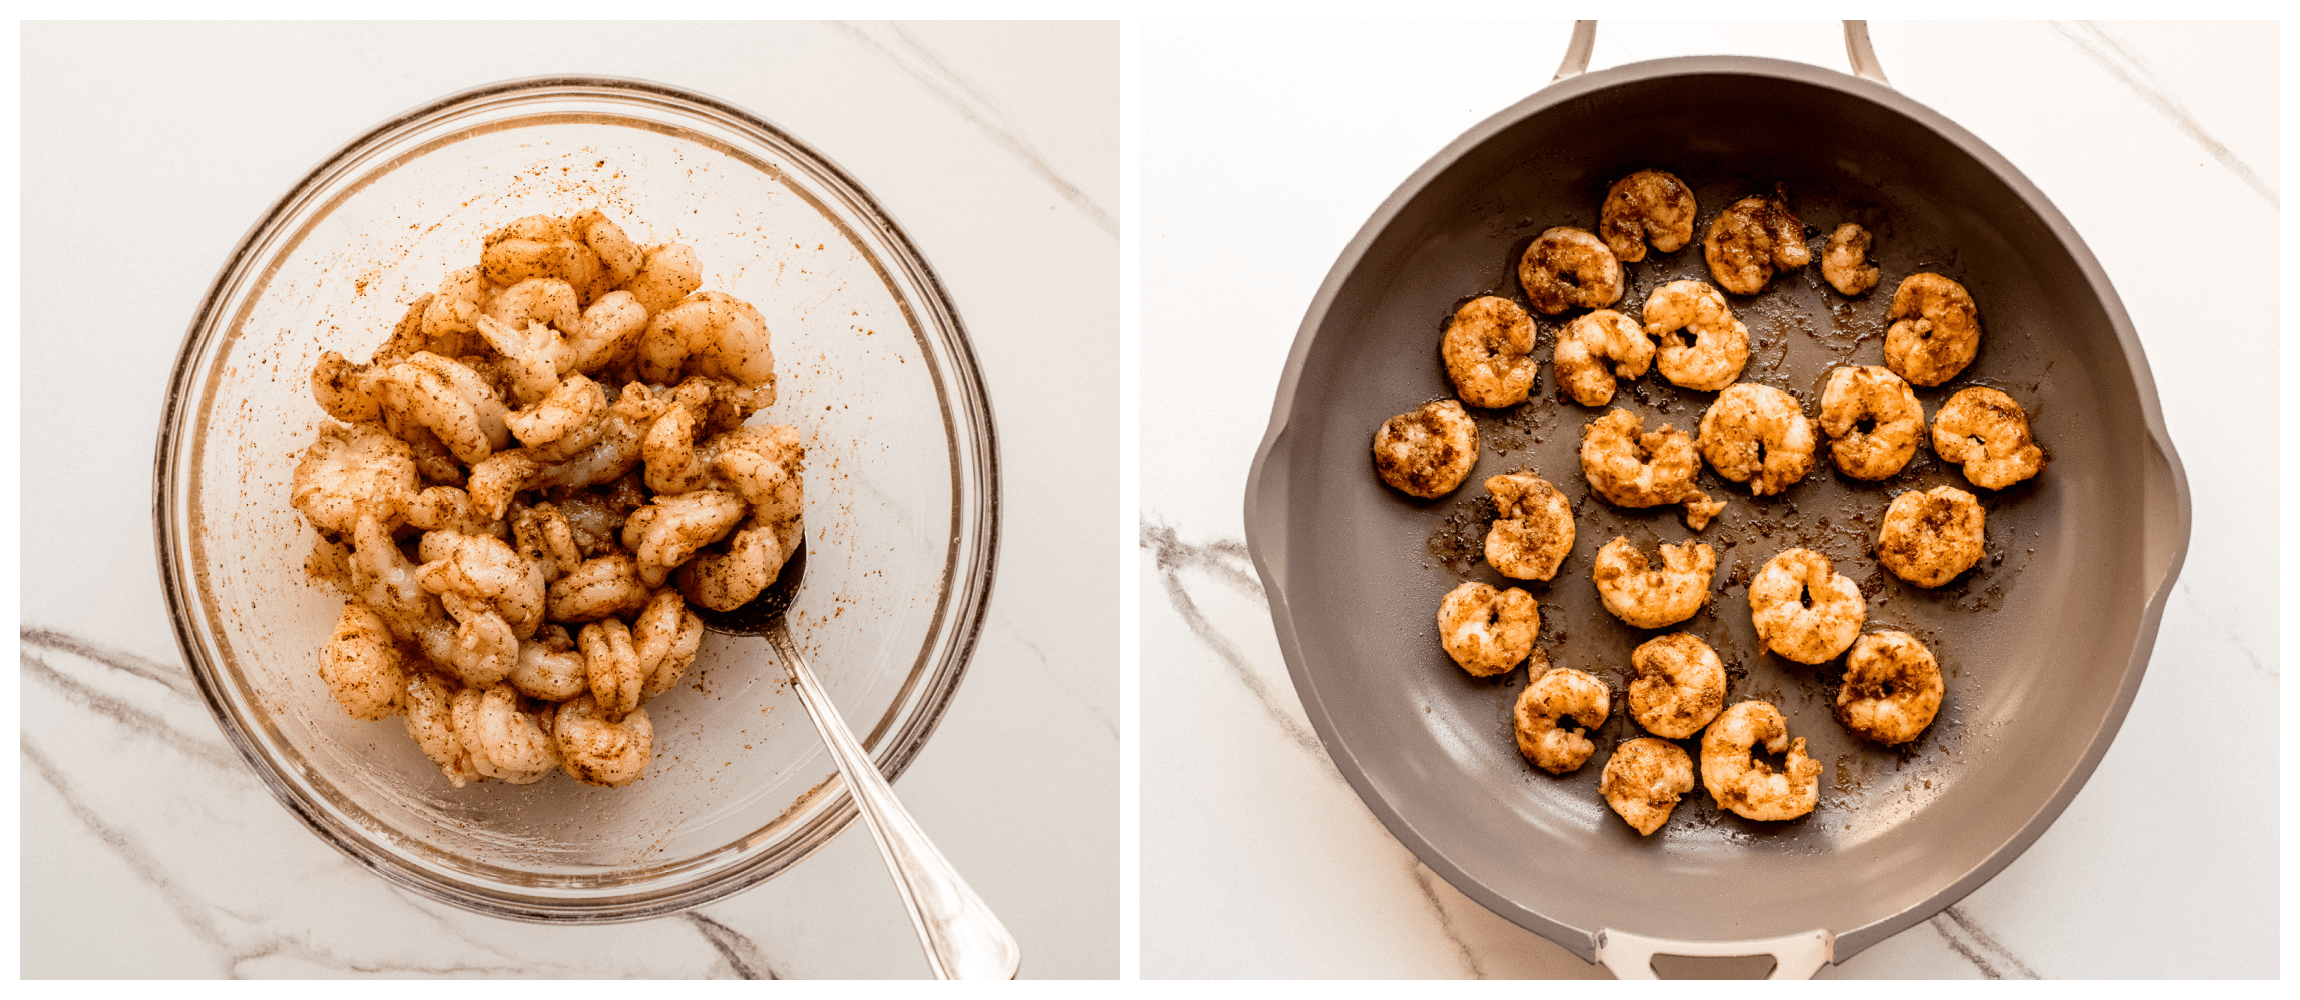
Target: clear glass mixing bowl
<point>876,372</point>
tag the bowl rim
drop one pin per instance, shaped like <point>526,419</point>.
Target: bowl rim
<point>970,433</point>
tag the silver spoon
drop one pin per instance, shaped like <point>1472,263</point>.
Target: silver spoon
<point>963,939</point>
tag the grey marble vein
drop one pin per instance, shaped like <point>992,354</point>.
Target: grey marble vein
<point>740,954</point>
<point>1426,881</point>
<point>1225,560</point>
<point>2134,73</point>
<point>1016,631</point>
<point>2235,638</point>
<point>1978,946</point>
<point>979,110</point>
<point>207,748</point>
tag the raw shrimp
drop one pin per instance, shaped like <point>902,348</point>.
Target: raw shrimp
<point>1985,431</point>
<point>1748,786</point>
<point>666,636</point>
<point>1753,237</point>
<point>1648,597</point>
<point>669,530</point>
<point>562,423</point>
<point>350,471</point>
<point>446,508</point>
<point>484,573</point>
<point>1892,688</point>
<point>612,666</point>
<point>1928,538</point>
<point>669,274</point>
<point>1873,421</point>
<point>596,588</point>
<point>595,751</point>
<point>1488,631</point>
<point>1428,452</point>
<point>550,668</point>
<point>1803,608</point>
<point>1535,528</point>
<point>450,322</point>
<point>1562,692</point>
<point>533,355</point>
<point>1567,268</point>
<point>607,333</point>
<point>619,256</point>
<point>1643,781</point>
<point>430,717</point>
<point>542,246</point>
<point>708,333</point>
<point>1632,468</point>
<point>1647,205</point>
<point>362,666</point>
<point>1590,341</point>
<point>1845,261</point>
<point>1680,685</point>
<point>449,399</point>
<point>503,740</point>
<point>548,301</point>
<point>1759,435</point>
<point>1488,352</point>
<point>1720,346</point>
<point>1936,329</point>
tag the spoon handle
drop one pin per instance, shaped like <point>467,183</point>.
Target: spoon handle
<point>963,939</point>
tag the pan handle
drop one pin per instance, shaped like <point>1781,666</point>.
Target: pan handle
<point>1795,956</point>
<point>1857,51</point>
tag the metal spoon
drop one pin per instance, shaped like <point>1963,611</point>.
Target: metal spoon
<point>963,939</point>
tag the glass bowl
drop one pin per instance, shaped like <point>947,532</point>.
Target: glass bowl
<point>876,372</point>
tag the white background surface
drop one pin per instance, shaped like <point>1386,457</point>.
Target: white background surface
<point>1265,147</point>
<point>148,150</point>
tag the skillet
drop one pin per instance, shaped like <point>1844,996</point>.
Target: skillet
<point>2043,644</point>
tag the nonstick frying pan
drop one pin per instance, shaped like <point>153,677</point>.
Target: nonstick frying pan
<point>2043,644</point>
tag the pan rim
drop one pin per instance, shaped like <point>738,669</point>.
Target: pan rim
<point>1266,487</point>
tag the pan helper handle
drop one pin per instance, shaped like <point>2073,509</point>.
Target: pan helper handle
<point>1795,956</point>
<point>1857,51</point>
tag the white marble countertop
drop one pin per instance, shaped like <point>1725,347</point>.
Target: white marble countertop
<point>149,849</point>
<point>1265,147</point>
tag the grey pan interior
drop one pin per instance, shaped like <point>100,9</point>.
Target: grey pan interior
<point>2044,643</point>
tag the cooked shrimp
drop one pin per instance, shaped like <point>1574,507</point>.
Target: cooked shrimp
<point>595,751</point>
<point>1428,452</point>
<point>1535,529</point>
<point>1562,692</point>
<point>1892,688</point>
<point>1647,205</point>
<point>1803,608</point>
<point>708,333</point>
<point>1753,237</point>
<point>669,274</point>
<point>1488,631</point>
<point>612,666</point>
<point>1872,420</point>
<point>1930,537</point>
<point>1759,435</point>
<point>430,717</point>
<point>504,741</point>
<point>1488,352</point>
<point>550,668</point>
<point>597,588</point>
<point>666,636</point>
<point>362,666</point>
<point>1936,330</point>
<point>1680,685</point>
<point>1643,781</point>
<point>1720,344</point>
<point>1567,268</point>
<point>1590,341</point>
<point>1986,432</point>
<point>1649,597</point>
<point>1748,786</point>
<point>350,471</point>
<point>1845,261</point>
<point>1632,468</point>
<point>669,530</point>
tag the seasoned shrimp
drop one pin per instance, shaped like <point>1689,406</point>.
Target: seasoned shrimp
<point>350,471</point>
<point>1561,693</point>
<point>1936,329</point>
<point>724,580</point>
<point>1637,592</point>
<point>1803,608</point>
<point>1643,781</point>
<point>595,751</point>
<point>1488,352</point>
<point>348,392</point>
<point>548,301</point>
<point>612,665</point>
<point>1720,346</point>
<point>550,668</point>
<point>1748,786</point>
<point>1567,268</point>
<point>669,530</point>
<point>1985,431</point>
<point>1647,205</point>
<point>1590,341</point>
<point>1872,420</point>
<point>596,588</point>
<point>670,273</point>
<point>666,636</point>
<point>1892,688</point>
<point>1845,261</point>
<point>1535,529</point>
<point>1428,452</point>
<point>607,333</point>
<point>1930,537</point>
<point>484,573</point>
<point>542,246</point>
<point>502,739</point>
<point>449,399</point>
<point>450,321</point>
<point>1488,631</point>
<point>533,355</point>
<point>1753,237</point>
<point>708,333</point>
<point>430,717</point>
<point>562,423</point>
<point>1632,468</point>
<point>362,665</point>
<point>1759,435</point>
<point>1680,685</point>
<point>618,256</point>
